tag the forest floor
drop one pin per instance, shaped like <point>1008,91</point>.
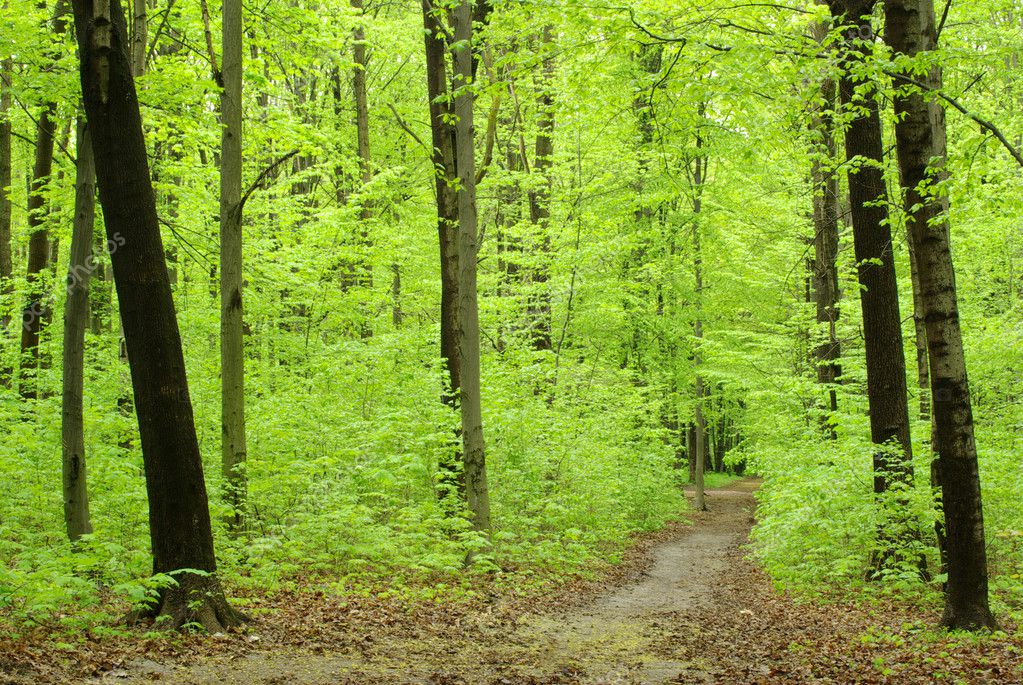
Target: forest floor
<point>687,606</point>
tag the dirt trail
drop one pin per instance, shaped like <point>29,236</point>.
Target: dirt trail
<point>627,635</point>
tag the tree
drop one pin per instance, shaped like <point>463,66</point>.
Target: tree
<point>442,134</point>
<point>473,447</point>
<point>699,454</point>
<point>232,343</point>
<point>921,144</point>
<point>825,222</point>
<point>76,318</point>
<point>879,294</point>
<point>6,268</point>
<point>36,310</point>
<point>180,530</point>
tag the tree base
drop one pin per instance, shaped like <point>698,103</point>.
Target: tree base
<point>195,602</point>
<point>971,618</point>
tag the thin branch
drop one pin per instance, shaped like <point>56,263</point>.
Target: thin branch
<point>941,24</point>
<point>217,75</point>
<point>262,177</point>
<point>406,129</point>
<point>151,52</point>
<point>982,122</point>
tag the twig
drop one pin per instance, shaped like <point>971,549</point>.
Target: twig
<point>982,122</point>
<point>406,129</point>
<point>217,75</point>
<point>262,176</point>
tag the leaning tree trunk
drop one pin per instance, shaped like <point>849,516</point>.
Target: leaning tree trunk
<point>920,139</point>
<point>179,518</point>
<point>76,318</point>
<point>232,344</point>
<point>872,239</point>
<point>452,479</point>
<point>473,447</point>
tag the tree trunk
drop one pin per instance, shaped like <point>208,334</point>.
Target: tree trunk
<point>232,348</point>
<point>139,36</point>
<point>539,199</point>
<point>700,442</point>
<point>825,221</point>
<point>921,144</point>
<point>76,317</point>
<point>179,518</point>
<point>6,266</point>
<point>879,294</point>
<point>923,375</point>
<point>473,447</point>
<point>443,138</point>
<point>360,58</point>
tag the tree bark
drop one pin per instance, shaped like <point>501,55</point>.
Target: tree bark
<point>539,198</point>
<point>700,441</point>
<point>361,60</point>
<point>76,318</point>
<point>232,346</point>
<point>473,447</point>
<point>825,221</point>
<point>443,138</point>
<point>179,519</point>
<point>36,310</point>
<point>6,266</point>
<point>879,295</point>
<point>921,144</point>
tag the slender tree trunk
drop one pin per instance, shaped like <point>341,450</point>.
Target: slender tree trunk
<point>920,139</point>
<point>700,442</point>
<point>179,519</point>
<point>923,375</point>
<point>473,447</point>
<point>361,61</point>
<point>76,317</point>
<point>397,316</point>
<point>6,265</point>
<point>139,36</point>
<point>36,310</point>
<point>232,346</point>
<point>443,137</point>
<point>539,198</point>
<point>825,221</point>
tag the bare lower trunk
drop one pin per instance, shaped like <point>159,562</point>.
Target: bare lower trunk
<point>452,479</point>
<point>179,519</point>
<point>6,266</point>
<point>825,221</point>
<point>700,441</point>
<point>361,60</point>
<point>37,310</point>
<point>539,200</point>
<point>232,350</point>
<point>474,450</point>
<point>76,317</point>
<point>920,138</point>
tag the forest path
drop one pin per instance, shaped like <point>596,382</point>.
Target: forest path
<point>629,633</point>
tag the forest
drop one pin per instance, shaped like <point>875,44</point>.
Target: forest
<point>511,341</point>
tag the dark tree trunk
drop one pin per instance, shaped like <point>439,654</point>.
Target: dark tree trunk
<point>76,317</point>
<point>539,311</point>
<point>179,517</point>
<point>699,177</point>
<point>879,294</point>
<point>361,60</point>
<point>443,137</point>
<point>920,138</point>
<point>6,266</point>
<point>825,222</point>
